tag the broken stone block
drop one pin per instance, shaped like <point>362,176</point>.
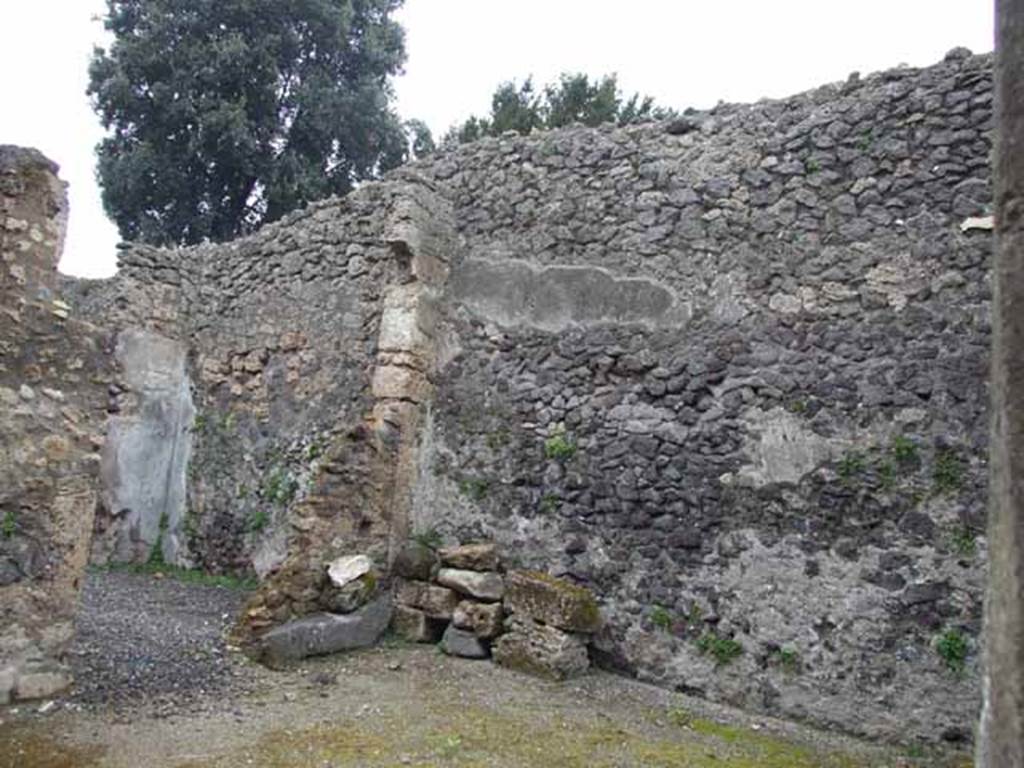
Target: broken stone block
<point>436,602</point>
<point>552,601</point>
<point>541,650</point>
<point>471,557</point>
<point>348,568</point>
<point>414,626</point>
<point>459,642</point>
<point>350,597</point>
<point>7,680</point>
<point>482,619</point>
<point>415,561</point>
<point>481,585</point>
<point>41,684</point>
<point>324,633</point>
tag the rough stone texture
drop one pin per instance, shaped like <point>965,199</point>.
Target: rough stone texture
<point>483,619</point>
<point>54,370</point>
<point>437,602</point>
<point>458,642</point>
<point>483,586</point>
<point>729,375</point>
<point>415,626</point>
<point>1001,734</point>
<point>541,650</point>
<point>348,568</point>
<point>415,561</point>
<point>471,557</point>
<point>350,597</point>
<point>785,443</point>
<point>324,633</point>
<point>548,600</point>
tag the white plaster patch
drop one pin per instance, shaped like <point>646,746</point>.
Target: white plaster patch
<point>781,449</point>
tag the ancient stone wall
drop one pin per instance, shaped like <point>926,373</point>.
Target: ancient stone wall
<point>731,377</point>
<point>54,370</point>
<point>727,372</point>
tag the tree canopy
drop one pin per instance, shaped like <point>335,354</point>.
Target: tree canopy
<point>224,114</point>
<point>573,99</point>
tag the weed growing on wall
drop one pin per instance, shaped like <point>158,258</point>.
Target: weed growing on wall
<point>549,503</point>
<point>428,537</point>
<point>9,524</point>
<point>962,541</point>
<point>725,650</point>
<point>903,449</point>
<point>559,447</point>
<point>786,659</point>
<point>661,618</point>
<point>279,487</point>
<point>258,520</point>
<point>474,488</point>
<point>948,472</point>
<point>850,465</point>
<point>952,648</point>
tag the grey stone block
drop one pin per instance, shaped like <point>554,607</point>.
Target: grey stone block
<point>325,633</point>
<point>459,642</point>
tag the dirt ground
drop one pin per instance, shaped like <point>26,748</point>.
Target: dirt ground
<point>399,705</point>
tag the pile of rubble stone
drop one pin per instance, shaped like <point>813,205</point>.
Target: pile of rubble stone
<point>461,597</point>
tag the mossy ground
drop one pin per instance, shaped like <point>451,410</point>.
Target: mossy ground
<point>412,706</point>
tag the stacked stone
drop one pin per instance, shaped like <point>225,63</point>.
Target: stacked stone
<point>452,596</point>
<point>550,625</point>
<point>351,615</point>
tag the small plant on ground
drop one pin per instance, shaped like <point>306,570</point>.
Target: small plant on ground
<point>952,648</point>
<point>559,447</point>
<point>474,487</point>
<point>428,537</point>
<point>187,575</point>
<point>156,554</point>
<point>723,649</point>
<point>679,717</point>
<point>450,745</point>
<point>948,472</point>
<point>661,618</point>
<point>9,524</point>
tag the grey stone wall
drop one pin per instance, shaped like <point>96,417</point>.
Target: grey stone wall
<point>730,374</point>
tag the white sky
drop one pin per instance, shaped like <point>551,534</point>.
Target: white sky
<point>682,52</point>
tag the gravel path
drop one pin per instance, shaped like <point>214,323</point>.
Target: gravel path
<point>160,640</point>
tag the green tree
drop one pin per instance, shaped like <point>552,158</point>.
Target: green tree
<point>224,114</point>
<point>573,99</point>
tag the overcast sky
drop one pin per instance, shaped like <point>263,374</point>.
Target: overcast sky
<point>682,52</point>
